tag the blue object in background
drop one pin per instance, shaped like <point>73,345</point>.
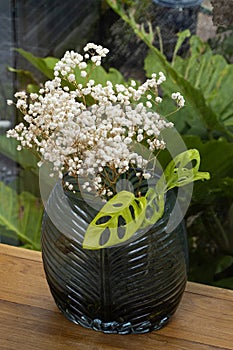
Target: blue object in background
<point>178,3</point>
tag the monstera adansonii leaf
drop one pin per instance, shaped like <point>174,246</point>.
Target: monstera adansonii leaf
<point>116,222</point>
<point>124,214</point>
<point>184,169</point>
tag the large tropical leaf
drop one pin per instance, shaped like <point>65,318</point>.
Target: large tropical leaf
<point>21,216</point>
<point>198,113</point>
<point>212,75</point>
<point>205,80</point>
<point>156,62</point>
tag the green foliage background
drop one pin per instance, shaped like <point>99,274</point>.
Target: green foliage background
<point>206,123</point>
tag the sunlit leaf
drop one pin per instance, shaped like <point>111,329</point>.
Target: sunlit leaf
<point>116,222</point>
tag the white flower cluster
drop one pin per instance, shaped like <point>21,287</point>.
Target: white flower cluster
<point>66,66</point>
<point>178,98</point>
<point>86,140</point>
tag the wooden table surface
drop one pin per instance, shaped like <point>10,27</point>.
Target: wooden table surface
<point>30,320</point>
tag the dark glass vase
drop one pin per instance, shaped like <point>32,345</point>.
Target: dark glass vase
<point>131,288</point>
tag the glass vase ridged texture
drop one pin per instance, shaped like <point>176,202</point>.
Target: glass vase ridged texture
<point>131,288</point>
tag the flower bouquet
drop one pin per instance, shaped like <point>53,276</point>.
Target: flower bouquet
<point>103,141</point>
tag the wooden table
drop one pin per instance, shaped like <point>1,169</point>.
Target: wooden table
<point>30,320</point>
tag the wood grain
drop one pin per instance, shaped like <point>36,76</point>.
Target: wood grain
<point>30,320</point>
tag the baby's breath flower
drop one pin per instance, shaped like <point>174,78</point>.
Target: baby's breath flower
<point>149,104</point>
<point>83,65</point>
<point>83,73</point>
<point>86,140</point>
<point>146,176</point>
<point>71,78</point>
<point>33,96</point>
<point>158,99</point>
<point>21,95</point>
<point>161,79</point>
<point>178,98</point>
<point>133,83</point>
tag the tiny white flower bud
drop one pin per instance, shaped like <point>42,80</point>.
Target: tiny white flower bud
<point>83,73</point>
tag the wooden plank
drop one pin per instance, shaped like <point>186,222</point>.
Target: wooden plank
<point>30,319</point>
<point>207,320</point>
<point>23,279</point>
<point>20,252</point>
<point>37,329</point>
<point>213,292</point>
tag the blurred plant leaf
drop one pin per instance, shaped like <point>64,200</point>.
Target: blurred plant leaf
<point>25,77</point>
<point>26,181</point>
<point>198,113</point>
<point>44,65</point>
<point>32,88</point>
<point>215,156</point>
<point>223,263</point>
<point>99,75</point>
<point>21,215</point>
<point>182,36</point>
<point>212,75</point>
<point>224,283</point>
<point>115,76</point>
<point>156,61</point>
<point>25,158</point>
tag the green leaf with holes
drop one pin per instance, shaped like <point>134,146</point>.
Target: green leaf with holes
<point>181,171</point>
<point>155,206</point>
<point>116,222</point>
<point>125,213</point>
